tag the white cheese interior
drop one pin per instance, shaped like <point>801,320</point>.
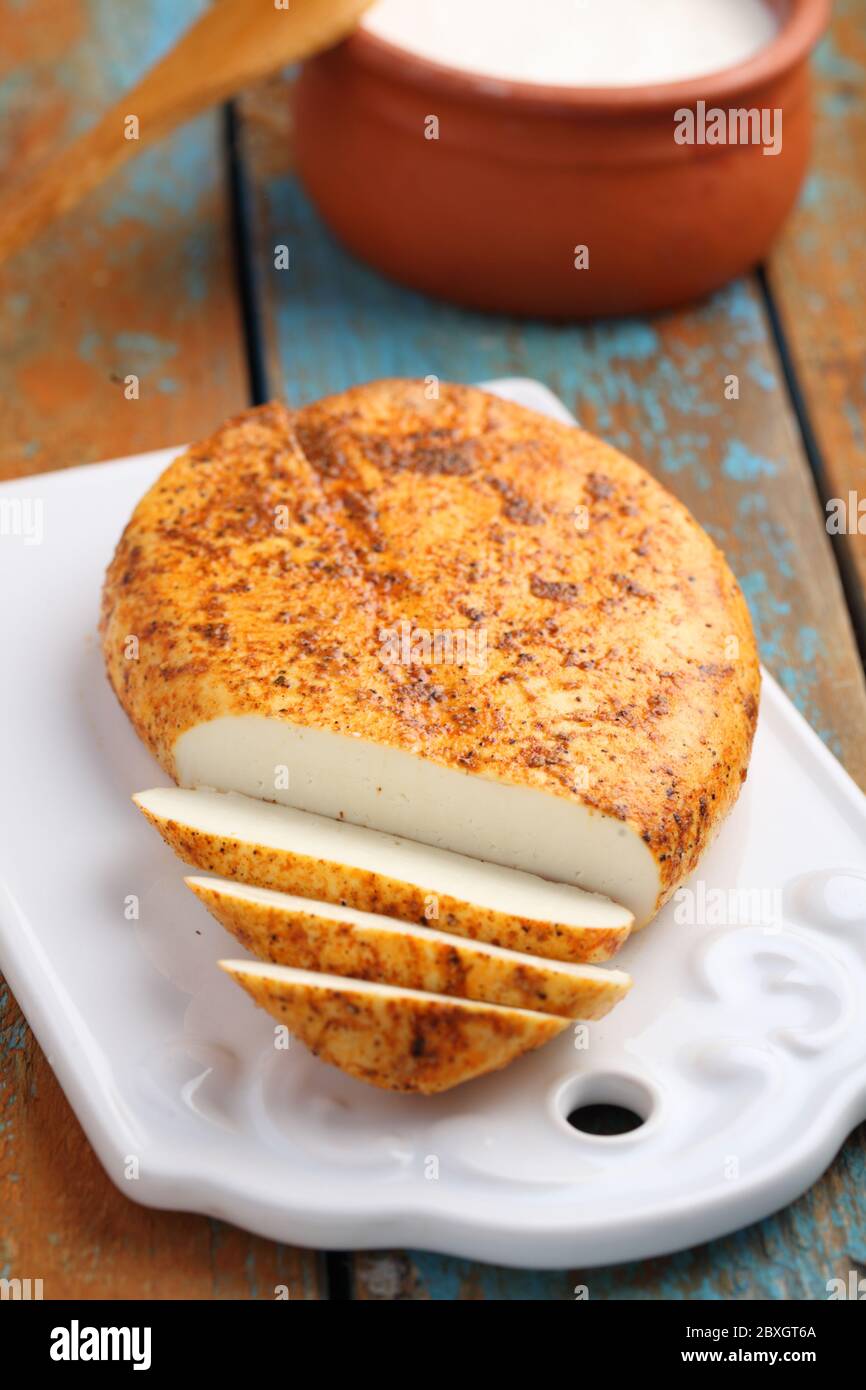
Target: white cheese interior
<point>283,828</point>
<point>335,912</point>
<point>386,789</point>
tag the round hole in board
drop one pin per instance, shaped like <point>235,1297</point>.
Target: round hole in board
<point>604,1120</point>
<point>606,1107</point>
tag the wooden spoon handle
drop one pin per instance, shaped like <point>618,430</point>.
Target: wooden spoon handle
<point>232,44</point>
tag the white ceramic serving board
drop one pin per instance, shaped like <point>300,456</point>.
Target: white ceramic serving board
<point>744,1045</point>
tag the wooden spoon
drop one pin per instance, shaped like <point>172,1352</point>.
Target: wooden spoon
<point>234,42</point>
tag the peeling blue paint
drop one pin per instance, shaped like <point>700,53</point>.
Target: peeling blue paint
<point>743,465</point>
<point>814,191</point>
<point>133,37</point>
<point>810,643</point>
<point>199,256</point>
<point>765,608</point>
<point>743,309</point>
<point>752,504</point>
<point>686,453</point>
<point>444,1278</point>
<point>762,374</point>
<point>829,62</point>
<point>782,546</point>
<point>836,105</point>
<point>13,1037</point>
<point>163,184</point>
<point>144,351</point>
<point>89,345</point>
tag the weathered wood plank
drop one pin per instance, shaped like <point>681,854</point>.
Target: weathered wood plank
<point>657,390</point>
<point>139,281</point>
<point>818,280</point>
<point>124,286</point>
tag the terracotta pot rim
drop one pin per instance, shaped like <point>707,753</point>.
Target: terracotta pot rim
<point>797,35</point>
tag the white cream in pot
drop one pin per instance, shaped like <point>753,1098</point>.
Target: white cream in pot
<point>578,43</point>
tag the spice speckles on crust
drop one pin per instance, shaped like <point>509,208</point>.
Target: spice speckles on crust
<point>397,1039</point>
<point>620,671</point>
<point>289,930</point>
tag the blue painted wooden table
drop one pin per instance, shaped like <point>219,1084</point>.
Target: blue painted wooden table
<point>170,274</point>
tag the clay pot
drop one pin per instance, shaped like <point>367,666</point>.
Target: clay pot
<point>490,213</point>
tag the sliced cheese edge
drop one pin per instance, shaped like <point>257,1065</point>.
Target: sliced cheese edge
<point>330,938</point>
<point>316,857</point>
<point>396,792</point>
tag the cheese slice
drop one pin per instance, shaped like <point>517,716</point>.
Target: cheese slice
<point>287,930</point>
<point>400,793</point>
<point>449,619</point>
<point>398,1039</point>
<point>332,861</point>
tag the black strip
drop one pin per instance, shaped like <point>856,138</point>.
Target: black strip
<point>841,551</point>
<point>220,1340</point>
<point>243,237</point>
<point>340,1269</point>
